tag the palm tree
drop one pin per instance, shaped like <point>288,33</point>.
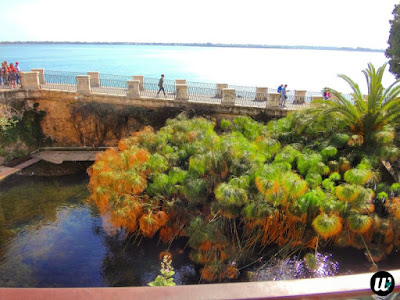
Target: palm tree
<point>365,116</point>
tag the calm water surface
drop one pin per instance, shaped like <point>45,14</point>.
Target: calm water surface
<point>300,69</point>
<point>51,237</point>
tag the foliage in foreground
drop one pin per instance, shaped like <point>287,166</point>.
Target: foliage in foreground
<point>250,186</point>
<point>20,128</point>
<point>167,271</point>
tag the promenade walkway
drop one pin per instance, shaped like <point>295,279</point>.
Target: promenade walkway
<point>208,98</point>
<point>141,87</point>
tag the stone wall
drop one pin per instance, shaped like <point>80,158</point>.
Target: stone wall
<point>58,126</point>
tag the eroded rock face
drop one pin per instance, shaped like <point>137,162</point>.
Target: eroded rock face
<point>57,123</point>
<point>60,126</point>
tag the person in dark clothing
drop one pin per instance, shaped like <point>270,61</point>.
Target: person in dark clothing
<point>161,85</point>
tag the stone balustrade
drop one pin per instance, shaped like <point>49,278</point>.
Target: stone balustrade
<point>228,96</point>
<point>94,79</point>
<point>220,87</point>
<point>273,100</point>
<point>299,97</point>
<point>30,80</point>
<point>133,89</point>
<point>141,81</point>
<point>41,75</point>
<point>261,93</point>
<point>180,91</point>
<point>83,84</point>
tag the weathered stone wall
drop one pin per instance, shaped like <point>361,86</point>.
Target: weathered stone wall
<point>57,123</point>
<point>58,126</point>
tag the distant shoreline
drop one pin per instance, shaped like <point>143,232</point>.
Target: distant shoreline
<point>358,49</point>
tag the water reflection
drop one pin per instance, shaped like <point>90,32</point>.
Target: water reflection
<point>51,237</point>
<point>133,264</point>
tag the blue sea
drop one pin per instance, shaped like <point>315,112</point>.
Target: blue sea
<point>310,70</point>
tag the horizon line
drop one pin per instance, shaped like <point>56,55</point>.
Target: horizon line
<point>203,44</point>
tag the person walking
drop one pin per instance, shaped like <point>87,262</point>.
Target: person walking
<point>280,88</point>
<point>161,85</point>
<point>283,96</point>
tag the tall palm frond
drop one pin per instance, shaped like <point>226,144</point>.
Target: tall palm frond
<point>365,115</point>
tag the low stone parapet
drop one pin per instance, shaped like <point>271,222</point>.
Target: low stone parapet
<point>181,92</point>
<point>133,89</point>
<point>94,79</point>
<point>228,96</point>
<point>30,80</point>
<point>220,87</point>
<point>41,75</point>
<point>273,99</point>
<point>299,97</point>
<point>261,93</point>
<point>83,84</point>
<point>141,81</point>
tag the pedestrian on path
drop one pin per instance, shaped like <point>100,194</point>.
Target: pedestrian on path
<point>282,101</point>
<point>161,85</point>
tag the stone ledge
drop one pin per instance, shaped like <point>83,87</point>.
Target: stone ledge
<point>339,287</point>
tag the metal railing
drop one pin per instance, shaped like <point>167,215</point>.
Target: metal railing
<point>203,92</point>
<point>151,88</point>
<point>112,84</point>
<point>197,91</point>
<point>59,80</point>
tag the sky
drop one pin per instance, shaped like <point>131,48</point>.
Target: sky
<point>341,23</point>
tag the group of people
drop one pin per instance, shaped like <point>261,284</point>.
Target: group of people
<point>326,94</point>
<point>282,91</point>
<point>10,75</point>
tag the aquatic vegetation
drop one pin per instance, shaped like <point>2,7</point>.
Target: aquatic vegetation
<point>252,185</point>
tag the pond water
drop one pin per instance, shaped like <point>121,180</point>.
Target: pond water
<point>50,236</point>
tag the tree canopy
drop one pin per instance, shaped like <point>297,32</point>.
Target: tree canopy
<point>393,51</point>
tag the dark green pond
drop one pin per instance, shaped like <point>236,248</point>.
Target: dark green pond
<point>50,236</point>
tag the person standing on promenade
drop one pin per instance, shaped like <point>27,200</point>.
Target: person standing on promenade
<point>12,76</point>
<point>283,96</point>
<point>161,85</point>
<point>18,70</point>
<point>5,73</point>
<point>1,73</point>
<point>280,88</point>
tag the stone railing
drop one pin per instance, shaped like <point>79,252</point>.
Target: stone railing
<point>140,87</point>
